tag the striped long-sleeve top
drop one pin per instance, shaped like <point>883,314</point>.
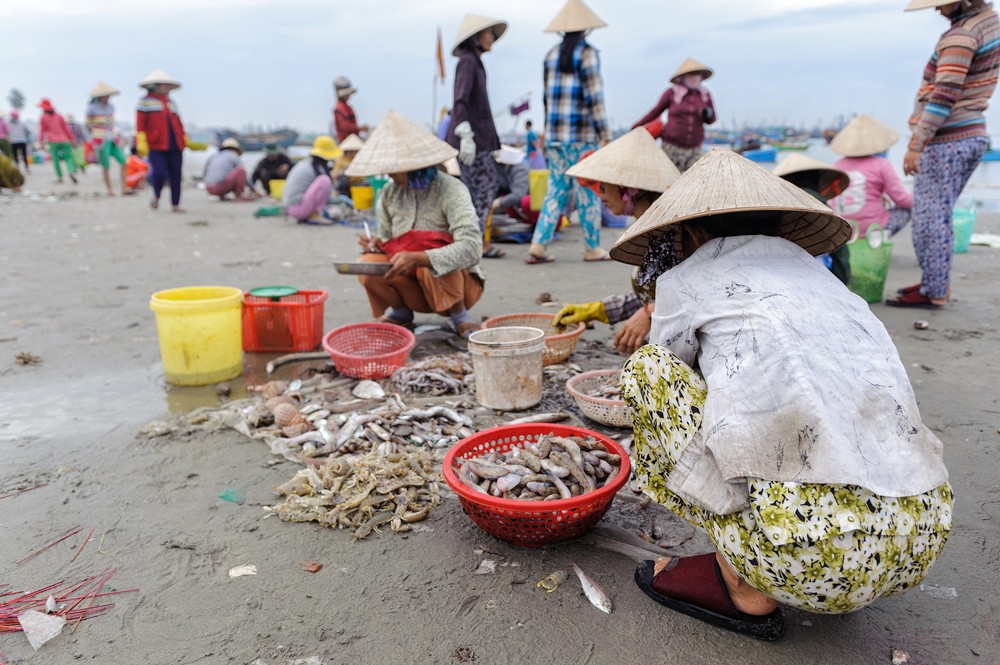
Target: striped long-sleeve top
<point>574,102</point>
<point>958,81</point>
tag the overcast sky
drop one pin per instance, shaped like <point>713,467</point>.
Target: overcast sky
<point>272,62</point>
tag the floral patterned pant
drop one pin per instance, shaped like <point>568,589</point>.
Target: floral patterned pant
<point>944,170</point>
<point>561,156</point>
<point>483,181</point>
<point>821,548</point>
<point>683,158</point>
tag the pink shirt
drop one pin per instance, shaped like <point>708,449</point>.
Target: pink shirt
<point>862,201</point>
<point>53,129</point>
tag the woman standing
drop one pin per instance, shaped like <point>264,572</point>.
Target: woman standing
<point>20,137</point>
<point>690,108</point>
<point>575,123</point>
<point>796,444</point>
<point>53,131</point>
<point>471,130</point>
<point>949,138</point>
<point>345,121</point>
<point>160,132</point>
<point>101,124</point>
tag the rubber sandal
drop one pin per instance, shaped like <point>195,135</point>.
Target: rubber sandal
<point>494,252</point>
<point>467,328</point>
<point>385,318</point>
<point>914,299</point>
<point>532,259</point>
<point>696,588</point>
<point>908,289</point>
<point>604,257</point>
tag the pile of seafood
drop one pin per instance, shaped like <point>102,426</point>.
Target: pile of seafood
<point>362,492</point>
<point>609,387</point>
<point>447,374</point>
<point>550,468</point>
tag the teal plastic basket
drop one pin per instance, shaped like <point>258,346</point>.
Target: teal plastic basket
<point>963,221</point>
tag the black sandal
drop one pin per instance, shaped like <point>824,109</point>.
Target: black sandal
<point>698,590</point>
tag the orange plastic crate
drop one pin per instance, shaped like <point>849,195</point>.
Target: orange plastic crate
<point>289,323</point>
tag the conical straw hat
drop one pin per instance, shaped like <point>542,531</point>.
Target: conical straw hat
<point>102,89</point>
<point>690,66</point>
<point>723,183</point>
<point>398,145</point>
<point>352,142</point>
<point>799,163</point>
<point>632,160</point>
<point>863,136</point>
<point>159,76</point>
<point>575,17</point>
<point>925,4</point>
<point>473,24</point>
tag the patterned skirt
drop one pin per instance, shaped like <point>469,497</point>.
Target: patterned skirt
<point>821,548</point>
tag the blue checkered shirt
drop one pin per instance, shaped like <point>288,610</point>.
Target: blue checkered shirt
<point>574,103</point>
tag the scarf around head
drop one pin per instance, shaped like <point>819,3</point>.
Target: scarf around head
<point>660,257</point>
<point>689,83</point>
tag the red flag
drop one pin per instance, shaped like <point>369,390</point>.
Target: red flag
<point>440,58</point>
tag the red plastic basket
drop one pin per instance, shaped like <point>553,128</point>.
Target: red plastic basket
<point>288,323</point>
<point>369,350</point>
<point>531,523</point>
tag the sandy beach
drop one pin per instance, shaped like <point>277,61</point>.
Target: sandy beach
<point>78,269</point>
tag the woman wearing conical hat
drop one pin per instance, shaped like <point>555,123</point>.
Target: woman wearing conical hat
<point>689,107</point>
<point>160,132</point>
<point>822,182</point>
<point>862,143</point>
<point>631,172</point>
<point>471,130</point>
<point>796,444</point>
<point>427,230</point>
<point>100,121</point>
<point>575,123</point>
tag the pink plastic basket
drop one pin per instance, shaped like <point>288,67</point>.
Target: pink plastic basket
<point>369,350</point>
<point>607,411</point>
<point>558,345</point>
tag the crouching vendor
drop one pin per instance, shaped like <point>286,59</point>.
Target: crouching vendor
<point>427,229</point>
<point>772,410</point>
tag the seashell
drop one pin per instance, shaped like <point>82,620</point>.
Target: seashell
<point>368,390</point>
<point>284,414</point>
<point>275,401</point>
<point>294,430</point>
<point>272,389</point>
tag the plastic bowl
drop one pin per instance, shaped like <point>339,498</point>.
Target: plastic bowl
<point>558,345</point>
<point>532,523</point>
<point>607,411</point>
<point>369,350</point>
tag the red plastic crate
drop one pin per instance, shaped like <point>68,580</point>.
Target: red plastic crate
<point>290,323</point>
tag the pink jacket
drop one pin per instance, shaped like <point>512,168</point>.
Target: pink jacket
<point>52,128</point>
<point>862,201</point>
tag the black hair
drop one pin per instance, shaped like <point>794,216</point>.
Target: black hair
<point>527,124</point>
<point>566,49</point>
<point>750,222</point>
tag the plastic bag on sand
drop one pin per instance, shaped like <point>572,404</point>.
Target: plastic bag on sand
<point>39,628</point>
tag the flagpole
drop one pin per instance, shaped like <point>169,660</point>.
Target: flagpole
<point>434,104</point>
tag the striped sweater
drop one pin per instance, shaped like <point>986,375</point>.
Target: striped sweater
<point>958,81</point>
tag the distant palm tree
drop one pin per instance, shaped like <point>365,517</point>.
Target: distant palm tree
<point>16,99</point>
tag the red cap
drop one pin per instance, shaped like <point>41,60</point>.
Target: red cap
<point>46,105</point>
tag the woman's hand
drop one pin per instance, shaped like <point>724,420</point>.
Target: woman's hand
<point>369,245</point>
<point>405,263</point>
<point>633,333</point>
<point>911,162</point>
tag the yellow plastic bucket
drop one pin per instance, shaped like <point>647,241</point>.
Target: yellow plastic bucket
<point>200,334</point>
<point>363,197</point>
<point>277,187</point>
<point>538,182</point>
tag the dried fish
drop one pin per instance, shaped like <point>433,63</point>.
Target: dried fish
<point>595,594</point>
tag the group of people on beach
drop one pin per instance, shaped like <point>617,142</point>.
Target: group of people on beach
<point>770,406</point>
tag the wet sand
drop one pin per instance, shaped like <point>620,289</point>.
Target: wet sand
<point>77,275</point>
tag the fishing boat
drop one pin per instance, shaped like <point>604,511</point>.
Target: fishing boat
<point>991,156</point>
<point>765,153</point>
<point>791,145</point>
<point>281,137</point>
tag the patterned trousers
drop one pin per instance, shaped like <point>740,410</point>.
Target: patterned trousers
<point>483,181</point>
<point>944,170</point>
<point>683,158</point>
<point>561,156</point>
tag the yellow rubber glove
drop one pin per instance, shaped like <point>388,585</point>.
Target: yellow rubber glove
<point>580,313</point>
<point>141,144</point>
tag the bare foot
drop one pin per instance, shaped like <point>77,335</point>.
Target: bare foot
<point>177,209</point>
<point>745,598</point>
<point>154,203</point>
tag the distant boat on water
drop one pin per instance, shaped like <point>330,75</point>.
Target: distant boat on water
<point>991,156</point>
<point>281,137</point>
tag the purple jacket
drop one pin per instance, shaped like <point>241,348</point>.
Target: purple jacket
<point>685,127</point>
<point>472,103</point>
